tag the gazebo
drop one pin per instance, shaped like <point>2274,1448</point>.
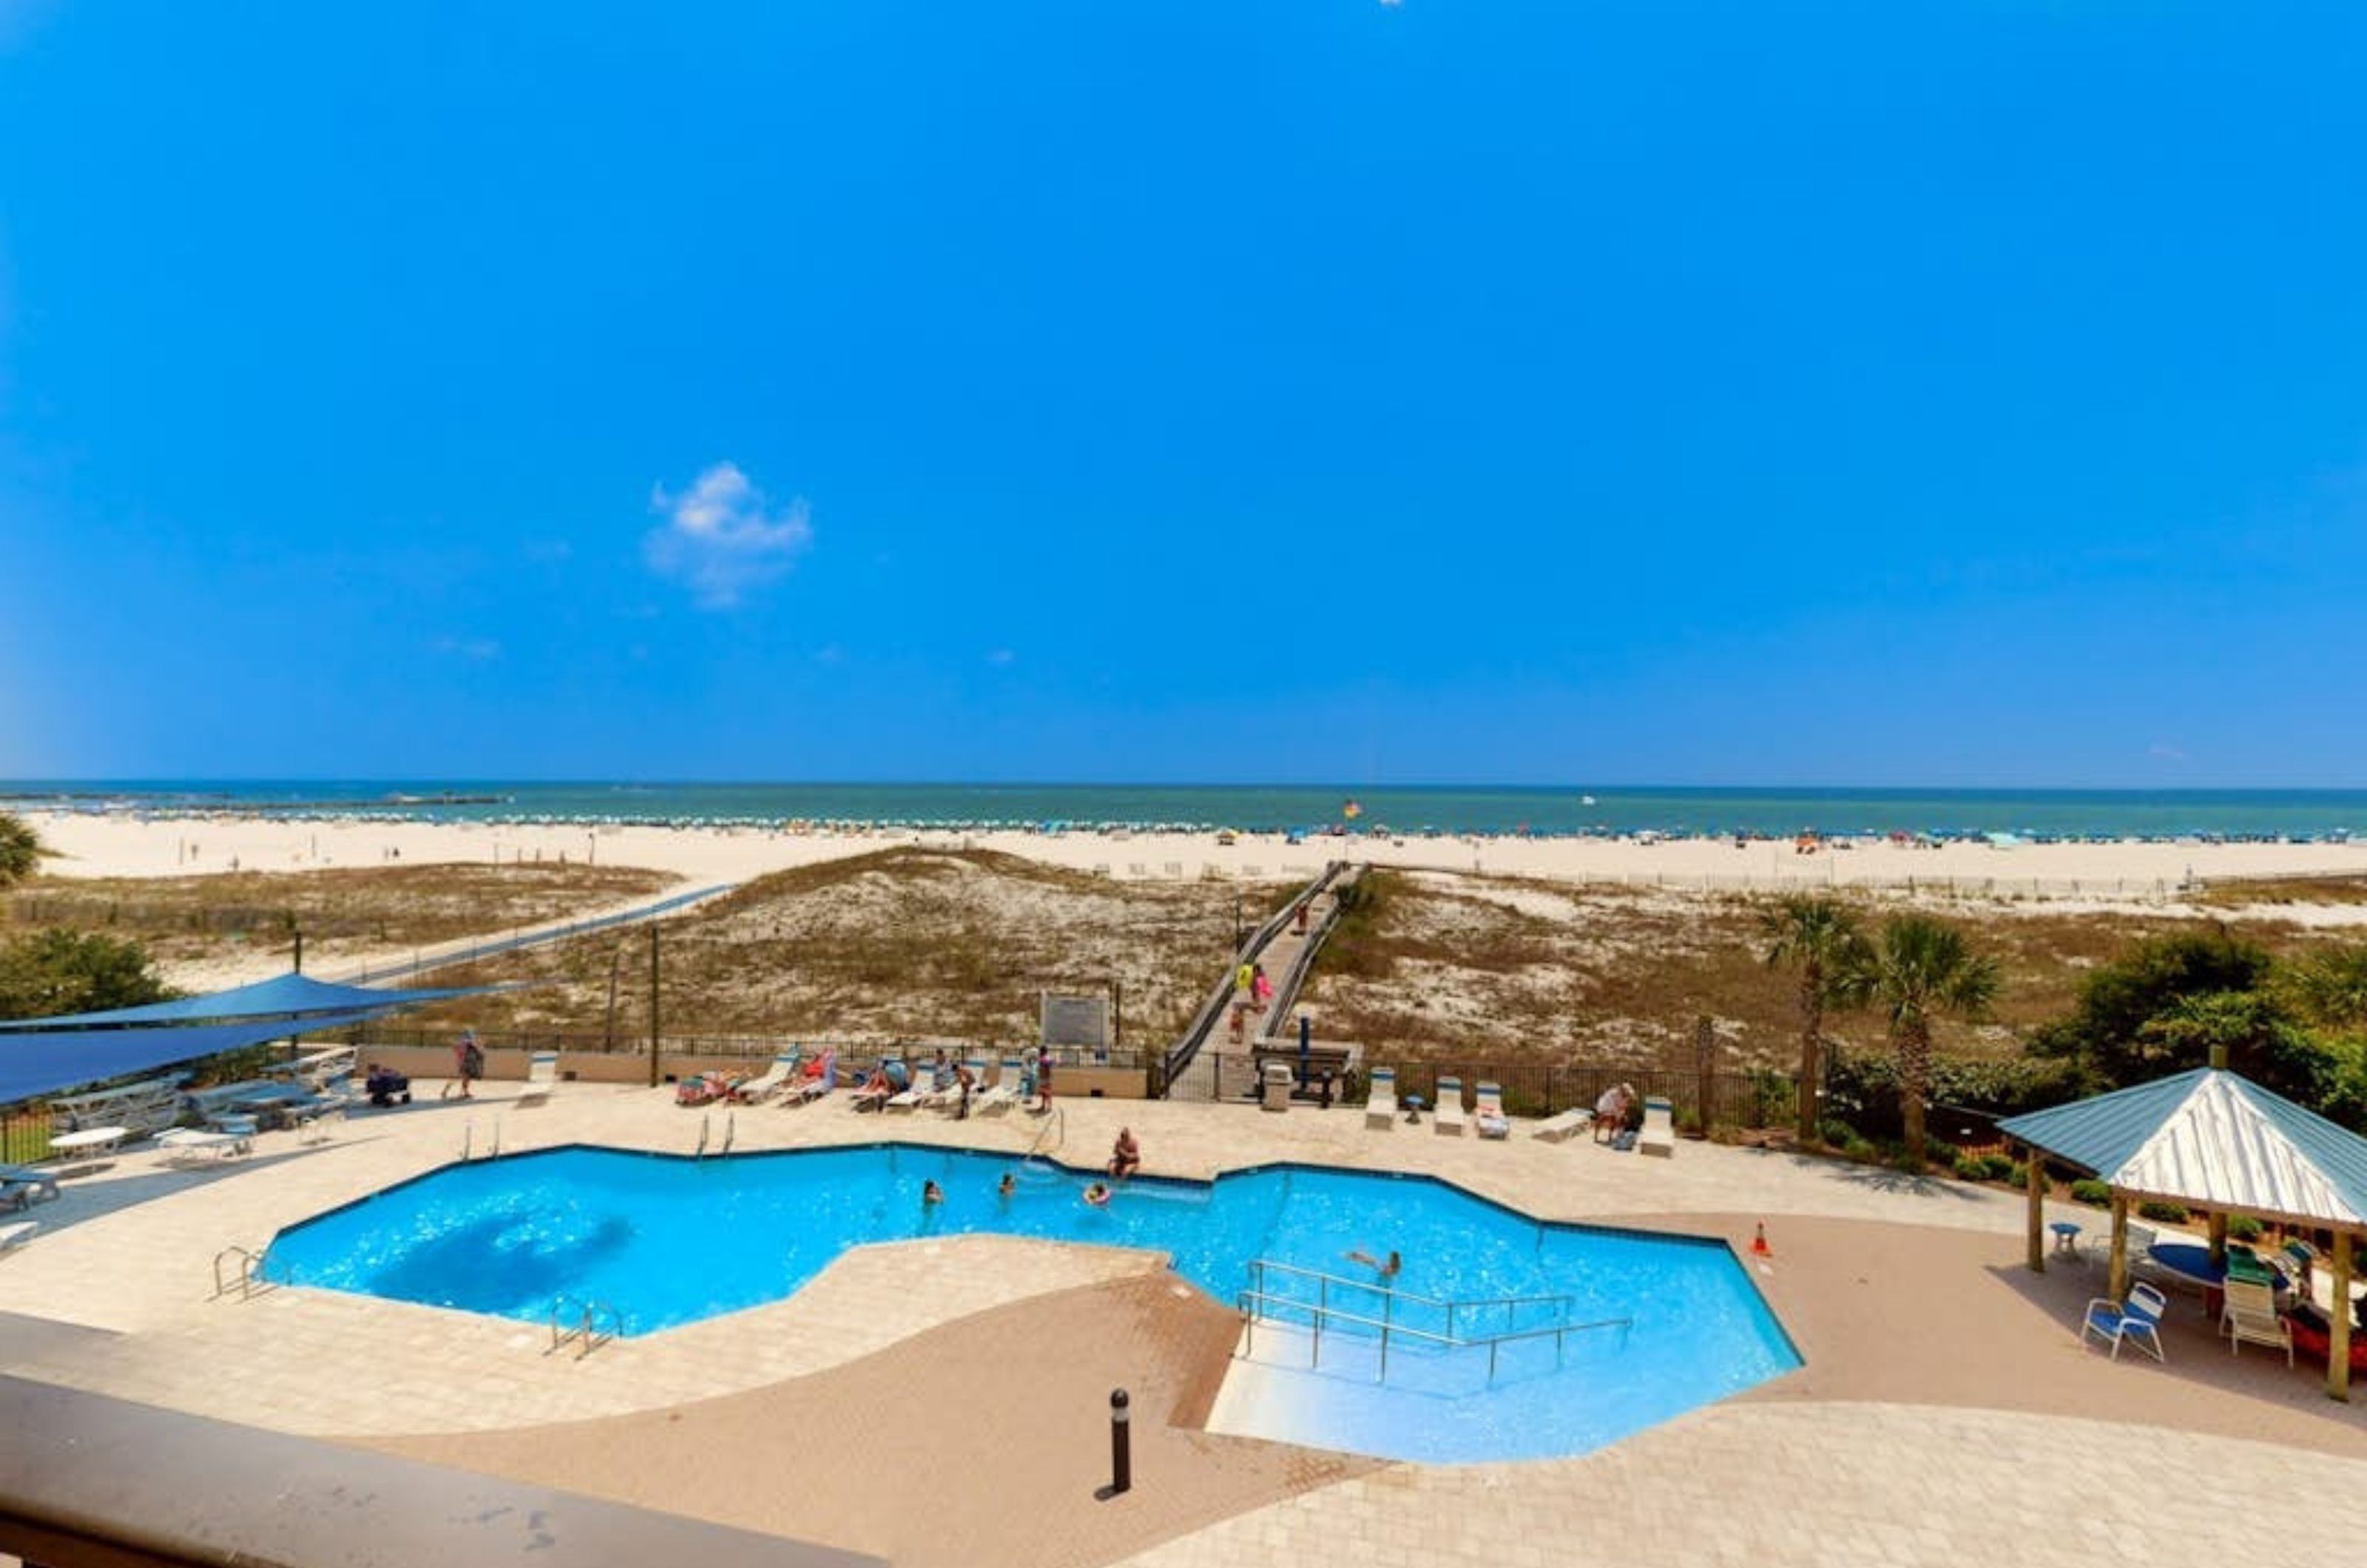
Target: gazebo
<point>2218,1141</point>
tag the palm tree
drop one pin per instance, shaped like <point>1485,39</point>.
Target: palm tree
<point>1816,937</point>
<point>1922,969</point>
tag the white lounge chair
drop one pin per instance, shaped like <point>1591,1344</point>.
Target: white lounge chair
<point>16,1233</point>
<point>1381,1100</point>
<point>1002,1094</point>
<point>2137,1322</point>
<point>1567,1124</point>
<point>772,1081</point>
<point>920,1089</point>
<point>1659,1133</point>
<point>541,1077</point>
<point>1446,1116</point>
<point>2249,1314</point>
<point>188,1145</point>
<point>1488,1111</point>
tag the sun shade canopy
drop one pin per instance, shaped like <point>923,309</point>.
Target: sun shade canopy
<point>2211,1138</point>
<point>50,1062</point>
<point>290,996</point>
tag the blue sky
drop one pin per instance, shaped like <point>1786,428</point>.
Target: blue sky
<point>1970,392</point>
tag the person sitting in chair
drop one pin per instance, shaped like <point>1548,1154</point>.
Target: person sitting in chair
<point>1611,1110</point>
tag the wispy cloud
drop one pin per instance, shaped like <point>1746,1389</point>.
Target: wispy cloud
<point>2162,751</point>
<point>720,537</point>
<point>477,648</point>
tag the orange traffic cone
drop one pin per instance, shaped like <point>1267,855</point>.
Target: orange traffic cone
<point>1759,1242</point>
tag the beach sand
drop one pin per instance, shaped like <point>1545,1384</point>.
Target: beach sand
<point>101,846</point>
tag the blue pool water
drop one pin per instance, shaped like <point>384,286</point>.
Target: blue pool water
<point>668,1241</point>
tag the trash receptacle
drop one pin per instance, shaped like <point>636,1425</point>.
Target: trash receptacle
<point>1278,1080</point>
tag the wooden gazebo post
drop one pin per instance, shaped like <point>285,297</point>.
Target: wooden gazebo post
<point>2338,1316</point>
<point>2037,1185</point>
<point>2117,1283</point>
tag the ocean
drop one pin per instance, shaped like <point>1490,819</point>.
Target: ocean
<point>1603,810</point>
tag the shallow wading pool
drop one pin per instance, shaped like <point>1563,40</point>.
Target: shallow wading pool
<point>668,1241</point>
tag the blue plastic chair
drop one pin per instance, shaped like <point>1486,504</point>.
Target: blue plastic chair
<point>2137,1321</point>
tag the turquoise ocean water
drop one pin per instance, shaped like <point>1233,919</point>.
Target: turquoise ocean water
<point>1607,810</point>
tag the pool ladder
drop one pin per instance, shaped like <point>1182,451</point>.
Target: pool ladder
<point>582,1324</point>
<point>1258,1303</point>
<point>246,1278</point>
<point>731,1125</point>
<point>469,1138</point>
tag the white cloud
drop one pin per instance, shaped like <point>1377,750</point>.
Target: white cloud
<point>2163,751</point>
<point>720,539</point>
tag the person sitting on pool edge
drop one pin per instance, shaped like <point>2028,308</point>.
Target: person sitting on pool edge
<point>1125,1155</point>
<point>1098,1194</point>
<point>1387,1270</point>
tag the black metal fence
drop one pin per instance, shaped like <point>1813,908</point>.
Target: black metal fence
<point>25,1137</point>
<point>752,1047</point>
<point>1755,1098</point>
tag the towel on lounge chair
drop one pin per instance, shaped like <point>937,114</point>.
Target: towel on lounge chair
<point>1488,1112</point>
<point>815,1079</point>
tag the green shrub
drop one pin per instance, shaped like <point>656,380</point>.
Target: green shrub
<point>2167,1213</point>
<point>1687,1121</point>
<point>1835,1132</point>
<point>2016,1172</point>
<point>2099,1193</point>
<point>1858,1149</point>
<point>2003,1168</point>
<point>2243,1227</point>
<point>1909,1163</point>
<point>1939,1152</point>
<point>1971,1167</point>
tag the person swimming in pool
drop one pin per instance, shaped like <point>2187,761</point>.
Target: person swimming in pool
<point>1007,1186</point>
<point>932,1193</point>
<point>1385,1268</point>
<point>1098,1194</point>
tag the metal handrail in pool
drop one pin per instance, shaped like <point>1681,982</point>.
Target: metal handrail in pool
<point>587,1324</point>
<point>1390,1294</point>
<point>1254,1304</point>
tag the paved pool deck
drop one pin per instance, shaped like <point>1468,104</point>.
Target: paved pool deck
<point>941,1400</point>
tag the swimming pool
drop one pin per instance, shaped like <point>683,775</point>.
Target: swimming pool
<point>668,1241</point>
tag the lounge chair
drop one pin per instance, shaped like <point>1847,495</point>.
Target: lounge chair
<point>1381,1100</point>
<point>2249,1313</point>
<point>22,1184</point>
<point>772,1081</point>
<point>1567,1124</point>
<point>1488,1118</point>
<point>2137,1321</point>
<point>918,1091</point>
<point>541,1075</point>
<point>1446,1116</point>
<point>1002,1094</point>
<point>814,1086</point>
<point>190,1145</point>
<point>1659,1133</point>
<point>16,1233</point>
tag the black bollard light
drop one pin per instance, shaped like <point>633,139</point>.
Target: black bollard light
<point>1121,1444</point>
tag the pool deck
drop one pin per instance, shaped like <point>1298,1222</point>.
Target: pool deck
<point>1945,1410</point>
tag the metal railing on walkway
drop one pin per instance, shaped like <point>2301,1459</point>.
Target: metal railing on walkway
<point>1203,1023</point>
<point>1258,1304</point>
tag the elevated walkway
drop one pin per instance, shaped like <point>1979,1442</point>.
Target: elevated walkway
<point>1217,1057</point>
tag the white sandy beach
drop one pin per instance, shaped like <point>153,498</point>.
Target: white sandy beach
<point>91,845</point>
